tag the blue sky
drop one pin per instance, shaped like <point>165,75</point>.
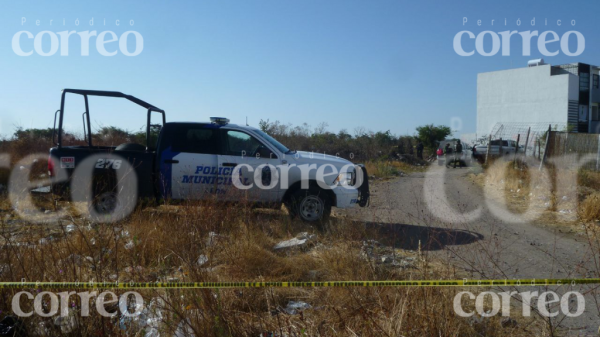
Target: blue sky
<point>381,65</point>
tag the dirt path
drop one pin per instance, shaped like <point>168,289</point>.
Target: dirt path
<point>448,213</point>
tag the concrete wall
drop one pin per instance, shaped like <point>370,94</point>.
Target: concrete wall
<point>523,95</point>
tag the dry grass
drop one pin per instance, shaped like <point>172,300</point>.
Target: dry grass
<point>589,179</point>
<point>164,243</point>
<point>566,191</point>
<point>590,207</point>
<point>389,169</point>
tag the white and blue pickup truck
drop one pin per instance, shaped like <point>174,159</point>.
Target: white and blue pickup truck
<point>197,161</point>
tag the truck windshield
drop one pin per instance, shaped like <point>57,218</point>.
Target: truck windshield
<point>273,142</point>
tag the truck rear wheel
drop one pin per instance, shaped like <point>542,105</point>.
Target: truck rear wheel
<point>312,205</point>
<point>108,199</point>
<point>105,203</point>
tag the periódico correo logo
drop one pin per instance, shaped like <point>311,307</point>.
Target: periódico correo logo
<point>107,43</point>
<point>54,304</point>
<point>549,43</point>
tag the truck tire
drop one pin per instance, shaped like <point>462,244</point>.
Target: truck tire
<point>105,203</point>
<point>110,205</point>
<point>107,200</point>
<point>312,205</point>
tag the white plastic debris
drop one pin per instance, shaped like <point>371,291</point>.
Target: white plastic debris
<point>130,269</point>
<point>70,228</point>
<point>202,259</point>
<point>129,245</point>
<point>294,307</point>
<point>184,329</point>
<point>41,189</point>
<point>213,238</point>
<point>67,324</point>
<point>136,322</point>
<point>398,261</point>
<point>301,240</point>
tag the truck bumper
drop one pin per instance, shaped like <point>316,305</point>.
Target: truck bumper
<point>345,197</point>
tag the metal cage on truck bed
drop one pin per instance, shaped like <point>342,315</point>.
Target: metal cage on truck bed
<point>86,115</point>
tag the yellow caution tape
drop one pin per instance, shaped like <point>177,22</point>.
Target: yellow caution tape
<point>330,284</point>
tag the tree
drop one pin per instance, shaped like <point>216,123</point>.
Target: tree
<point>140,136</point>
<point>431,135</point>
<point>20,133</point>
<point>384,139</point>
<point>344,135</point>
<point>264,125</point>
<point>107,132</point>
<point>405,144</point>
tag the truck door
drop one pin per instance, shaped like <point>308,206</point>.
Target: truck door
<point>190,164</point>
<point>239,147</point>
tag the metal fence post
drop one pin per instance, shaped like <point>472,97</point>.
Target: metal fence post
<point>516,150</point>
<point>598,156</point>
<point>546,147</point>
<point>500,150</point>
<point>489,145</point>
<point>527,143</point>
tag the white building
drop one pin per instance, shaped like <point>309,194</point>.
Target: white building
<point>540,93</point>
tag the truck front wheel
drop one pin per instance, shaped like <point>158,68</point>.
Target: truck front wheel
<point>312,205</point>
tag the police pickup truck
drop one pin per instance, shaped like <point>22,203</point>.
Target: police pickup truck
<point>196,161</point>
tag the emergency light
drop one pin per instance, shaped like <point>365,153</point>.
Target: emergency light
<point>219,120</point>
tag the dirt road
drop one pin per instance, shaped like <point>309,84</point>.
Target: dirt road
<point>447,212</point>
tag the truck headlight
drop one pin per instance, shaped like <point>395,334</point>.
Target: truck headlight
<point>344,178</point>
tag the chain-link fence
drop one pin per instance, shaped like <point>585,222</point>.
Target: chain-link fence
<point>563,147</point>
<point>530,136</point>
<point>570,148</point>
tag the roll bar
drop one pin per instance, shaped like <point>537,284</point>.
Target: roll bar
<point>86,115</point>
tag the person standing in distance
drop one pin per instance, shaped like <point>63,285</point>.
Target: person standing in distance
<point>420,150</point>
<point>457,153</point>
